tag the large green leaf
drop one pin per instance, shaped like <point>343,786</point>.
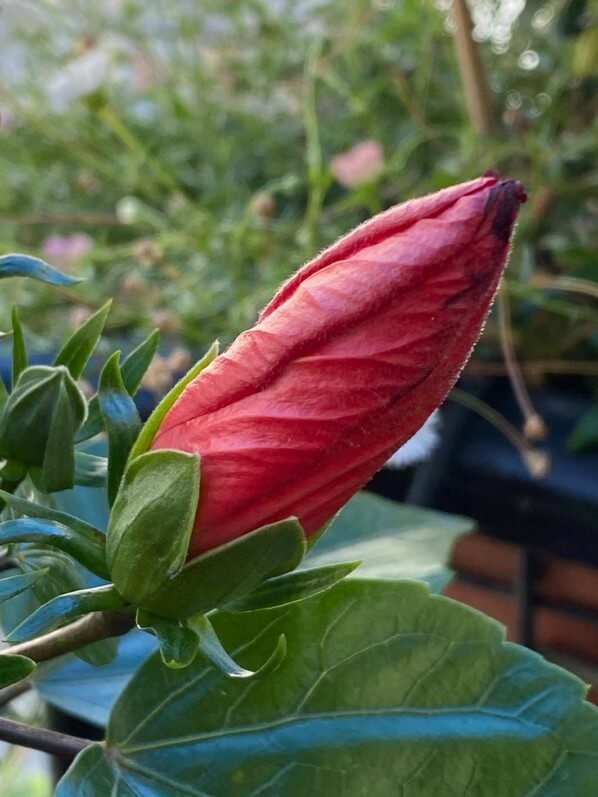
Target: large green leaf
<point>391,540</point>
<point>385,691</point>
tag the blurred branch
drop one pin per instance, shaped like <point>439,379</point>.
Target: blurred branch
<point>473,75</point>
<point>537,462</point>
<point>53,742</point>
<point>534,427</point>
<point>77,219</point>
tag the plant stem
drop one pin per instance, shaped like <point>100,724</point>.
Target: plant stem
<point>91,628</point>
<point>13,691</point>
<point>473,76</point>
<point>53,742</point>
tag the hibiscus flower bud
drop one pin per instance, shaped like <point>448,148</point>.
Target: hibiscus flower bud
<point>345,364</point>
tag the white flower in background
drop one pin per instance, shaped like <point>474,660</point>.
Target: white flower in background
<point>420,446</point>
<point>80,77</point>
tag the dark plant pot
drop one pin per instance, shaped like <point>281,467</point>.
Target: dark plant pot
<point>477,472</point>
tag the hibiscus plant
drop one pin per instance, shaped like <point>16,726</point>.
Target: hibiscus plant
<point>266,675</point>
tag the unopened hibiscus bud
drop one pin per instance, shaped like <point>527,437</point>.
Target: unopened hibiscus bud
<point>347,361</point>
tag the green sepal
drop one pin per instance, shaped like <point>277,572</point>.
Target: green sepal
<point>153,422</point>
<point>39,420</point>
<point>11,586</point>
<point>178,644</point>
<point>16,265</point>
<point>90,470</point>
<point>14,668</point>
<point>213,651</point>
<point>65,608</point>
<point>292,587</point>
<point>58,467</point>
<point>151,521</point>
<point>85,548</point>
<point>225,573</point>
<point>121,420</point>
<point>132,371</point>
<point>19,350</point>
<point>79,347</point>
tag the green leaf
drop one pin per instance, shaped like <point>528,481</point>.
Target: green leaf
<point>391,540</point>
<point>85,547</point>
<point>121,420</point>
<point>62,577</point>
<point>90,470</point>
<point>79,347</point>
<point>14,668</point>
<point>39,421</point>
<point>224,573</point>
<point>65,608</point>
<point>15,265</point>
<point>212,650</point>
<point>133,368</point>
<point>585,432</point>
<point>138,361</point>
<point>3,394</point>
<point>19,351</point>
<point>385,690</point>
<point>31,509</point>
<point>58,467</point>
<point>292,587</point>
<point>151,522</point>
<point>153,422</point>
<point>11,586</point>
<point>178,645</point>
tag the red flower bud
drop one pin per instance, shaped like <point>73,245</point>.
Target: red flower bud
<point>347,361</point>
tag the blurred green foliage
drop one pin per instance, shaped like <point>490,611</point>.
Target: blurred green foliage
<point>195,144</point>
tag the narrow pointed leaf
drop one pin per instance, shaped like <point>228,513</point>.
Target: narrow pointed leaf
<point>65,608</point>
<point>11,586</point>
<point>58,468</point>
<point>153,422</point>
<point>80,346</point>
<point>3,393</point>
<point>133,369</point>
<point>19,351</point>
<point>121,420</point>
<point>16,265</point>
<point>213,651</point>
<point>151,521</point>
<point>225,573</point>
<point>34,510</point>
<point>138,361</point>
<point>178,645</point>
<point>14,668</point>
<point>87,550</point>
<point>90,470</point>
<point>292,587</point>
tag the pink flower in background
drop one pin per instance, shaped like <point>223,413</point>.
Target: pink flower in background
<point>358,165</point>
<point>67,250</point>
